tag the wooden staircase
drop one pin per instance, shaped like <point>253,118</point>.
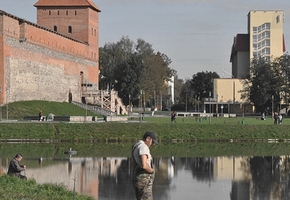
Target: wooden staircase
<point>104,102</point>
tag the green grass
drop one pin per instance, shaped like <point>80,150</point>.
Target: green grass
<point>13,188</point>
<point>186,129</point>
<point>17,110</point>
<point>128,132</point>
<point>214,120</point>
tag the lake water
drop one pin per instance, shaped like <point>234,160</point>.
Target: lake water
<point>238,177</point>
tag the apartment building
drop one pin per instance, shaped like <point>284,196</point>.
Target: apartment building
<point>264,38</point>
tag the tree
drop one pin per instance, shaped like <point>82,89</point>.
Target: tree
<point>129,72</point>
<point>110,57</point>
<point>267,83</point>
<point>187,94</point>
<point>129,68</point>
<point>202,83</point>
<point>284,61</point>
<point>154,76</point>
<point>178,85</point>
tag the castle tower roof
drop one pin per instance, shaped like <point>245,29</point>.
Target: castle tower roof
<point>67,3</point>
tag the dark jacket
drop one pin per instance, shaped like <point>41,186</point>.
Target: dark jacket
<point>15,168</point>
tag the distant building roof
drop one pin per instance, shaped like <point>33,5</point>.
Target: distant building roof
<point>241,43</point>
<point>67,3</point>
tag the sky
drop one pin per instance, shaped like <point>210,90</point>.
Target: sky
<point>197,35</point>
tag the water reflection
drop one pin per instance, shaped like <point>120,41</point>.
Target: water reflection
<point>227,178</point>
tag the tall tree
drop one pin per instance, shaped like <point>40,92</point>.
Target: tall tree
<point>129,77</point>
<point>178,85</point>
<point>284,62</point>
<point>129,68</point>
<point>110,57</point>
<point>202,83</point>
<point>267,82</point>
<point>155,72</point>
<point>187,94</point>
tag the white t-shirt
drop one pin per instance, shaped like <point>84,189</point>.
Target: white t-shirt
<point>142,149</point>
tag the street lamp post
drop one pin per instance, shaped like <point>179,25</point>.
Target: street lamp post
<point>243,109</point>
<point>185,102</point>
<point>194,103</point>
<point>130,107</point>
<point>222,107</point>
<point>280,103</point>
<point>7,111</point>
<point>144,101</point>
<point>234,97</point>
<point>86,85</point>
<point>217,106</point>
<point>272,106</point>
<point>198,105</point>
<point>140,109</point>
<point>209,107</point>
<point>0,104</point>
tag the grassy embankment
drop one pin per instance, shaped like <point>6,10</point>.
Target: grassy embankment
<point>186,129</point>
<point>14,188</point>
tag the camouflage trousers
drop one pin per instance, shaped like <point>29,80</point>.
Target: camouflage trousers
<point>142,184</point>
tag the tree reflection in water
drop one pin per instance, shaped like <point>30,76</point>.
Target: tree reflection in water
<point>270,176</point>
<point>208,177</point>
<point>202,169</point>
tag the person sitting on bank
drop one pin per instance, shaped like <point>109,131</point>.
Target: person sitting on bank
<point>263,116</point>
<point>40,117</point>
<point>15,168</point>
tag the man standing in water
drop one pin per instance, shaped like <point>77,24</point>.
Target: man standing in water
<point>143,169</point>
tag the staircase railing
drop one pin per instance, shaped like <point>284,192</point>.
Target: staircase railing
<point>95,109</point>
<point>124,110</point>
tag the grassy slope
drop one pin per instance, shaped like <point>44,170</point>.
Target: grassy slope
<point>186,129</point>
<point>13,188</point>
<point>18,110</point>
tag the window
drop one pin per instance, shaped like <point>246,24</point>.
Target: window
<point>75,12</point>
<point>55,28</point>
<point>69,29</point>
<point>255,47</point>
<point>255,38</point>
<point>255,30</point>
<point>49,12</point>
<point>263,27</point>
<point>66,12</point>
<point>57,12</point>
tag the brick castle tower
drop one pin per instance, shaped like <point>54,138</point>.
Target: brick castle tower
<point>76,19</point>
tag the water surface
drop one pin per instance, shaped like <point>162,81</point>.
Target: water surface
<point>202,177</point>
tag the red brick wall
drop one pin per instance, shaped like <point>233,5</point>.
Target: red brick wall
<point>83,21</point>
<point>15,51</point>
<point>45,38</point>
